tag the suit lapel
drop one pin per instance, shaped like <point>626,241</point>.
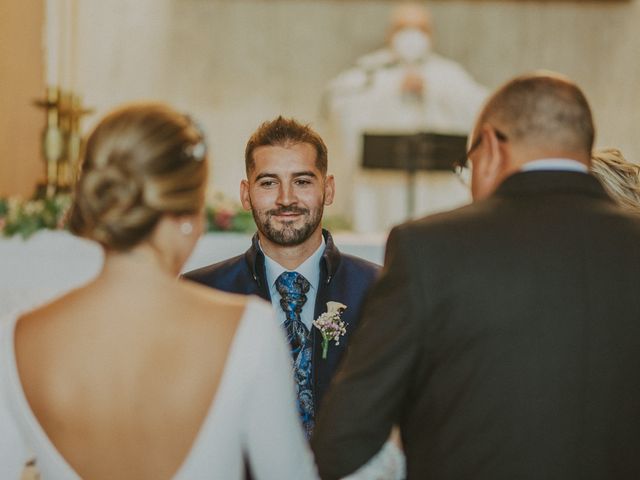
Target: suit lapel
<point>254,259</point>
<point>259,290</point>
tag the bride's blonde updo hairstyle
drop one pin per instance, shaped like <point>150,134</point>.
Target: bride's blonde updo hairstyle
<point>141,162</point>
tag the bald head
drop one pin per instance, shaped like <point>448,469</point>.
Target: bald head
<point>410,15</point>
<point>544,111</point>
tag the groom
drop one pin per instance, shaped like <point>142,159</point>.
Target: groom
<point>292,261</point>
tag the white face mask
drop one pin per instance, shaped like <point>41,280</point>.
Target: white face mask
<point>411,44</point>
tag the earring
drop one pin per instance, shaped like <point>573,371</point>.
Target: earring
<point>186,228</point>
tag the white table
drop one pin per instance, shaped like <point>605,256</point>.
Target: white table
<point>52,262</point>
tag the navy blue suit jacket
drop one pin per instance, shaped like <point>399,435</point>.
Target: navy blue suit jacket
<point>343,278</point>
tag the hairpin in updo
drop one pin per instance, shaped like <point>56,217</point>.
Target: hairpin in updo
<point>196,151</point>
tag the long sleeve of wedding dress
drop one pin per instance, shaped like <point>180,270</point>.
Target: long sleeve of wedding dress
<point>276,446</point>
<point>14,452</point>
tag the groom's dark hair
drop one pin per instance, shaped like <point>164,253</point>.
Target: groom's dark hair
<point>285,132</point>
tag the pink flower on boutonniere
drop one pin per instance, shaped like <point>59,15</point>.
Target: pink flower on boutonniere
<point>331,325</point>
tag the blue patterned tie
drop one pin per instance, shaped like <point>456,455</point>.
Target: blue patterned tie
<point>292,287</point>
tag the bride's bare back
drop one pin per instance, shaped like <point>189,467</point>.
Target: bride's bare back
<point>121,373</point>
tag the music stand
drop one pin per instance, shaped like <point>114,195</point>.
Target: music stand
<point>419,151</point>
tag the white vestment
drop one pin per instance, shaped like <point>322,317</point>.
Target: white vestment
<point>369,99</point>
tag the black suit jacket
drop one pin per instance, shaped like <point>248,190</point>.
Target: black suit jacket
<point>503,338</point>
<point>343,278</point>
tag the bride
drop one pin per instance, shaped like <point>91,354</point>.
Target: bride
<point>138,375</point>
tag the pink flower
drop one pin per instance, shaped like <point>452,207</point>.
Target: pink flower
<point>331,325</point>
<point>224,219</point>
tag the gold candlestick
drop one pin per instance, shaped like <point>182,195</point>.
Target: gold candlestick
<point>74,138</point>
<point>52,138</point>
<point>61,138</point>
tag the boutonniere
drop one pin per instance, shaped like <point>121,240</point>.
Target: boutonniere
<point>331,325</point>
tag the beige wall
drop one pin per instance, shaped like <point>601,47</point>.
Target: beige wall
<point>21,81</point>
<point>594,42</point>
<point>235,63</point>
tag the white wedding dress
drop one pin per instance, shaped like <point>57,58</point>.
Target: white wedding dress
<point>253,415</point>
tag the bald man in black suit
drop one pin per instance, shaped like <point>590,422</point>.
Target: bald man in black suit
<point>503,337</point>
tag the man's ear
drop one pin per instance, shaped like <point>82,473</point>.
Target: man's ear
<point>244,195</point>
<point>329,189</point>
<point>494,159</point>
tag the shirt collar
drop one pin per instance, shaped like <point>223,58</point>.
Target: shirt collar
<point>309,269</point>
<point>564,164</point>
<point>330,259</point>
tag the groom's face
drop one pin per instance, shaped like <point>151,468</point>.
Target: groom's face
<point>286,193</point>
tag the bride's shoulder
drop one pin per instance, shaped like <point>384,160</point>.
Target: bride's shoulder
<point>34,320</point>
<point>210,304</point>
<point>60,306</point>
<point>206,297</point>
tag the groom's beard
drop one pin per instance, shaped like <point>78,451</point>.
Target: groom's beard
<point>285,233</point>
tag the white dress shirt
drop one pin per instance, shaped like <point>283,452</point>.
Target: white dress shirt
<point>555,164</point>
<point>309,269</point>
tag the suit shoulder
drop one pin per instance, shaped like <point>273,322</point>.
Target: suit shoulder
<point>359,263</point>
<point>363,269</point>
<point>440,232</point>
<point>466,214</point>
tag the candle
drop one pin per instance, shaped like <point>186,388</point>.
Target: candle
<point>73,55</point>
<point>52,43</point>
<point>66,44</point>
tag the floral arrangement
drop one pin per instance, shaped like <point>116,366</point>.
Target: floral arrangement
<point>26,217</point>
<point>225,215</point>
<point>331,325</point>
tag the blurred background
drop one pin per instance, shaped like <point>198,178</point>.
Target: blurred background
<point>235,63</point>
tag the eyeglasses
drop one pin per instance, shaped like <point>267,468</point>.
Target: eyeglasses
<point>461,167</point>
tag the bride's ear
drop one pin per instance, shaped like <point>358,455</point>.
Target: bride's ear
<point>175,237</point>
<point>174,229</point>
